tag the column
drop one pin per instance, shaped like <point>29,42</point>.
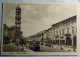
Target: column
<point>72,40</point>
<point>55,41</point>
<point>59,41</point>
<point>65,40</point>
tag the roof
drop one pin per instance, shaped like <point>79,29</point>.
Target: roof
<point>6,26</point>
<point>65,20</point>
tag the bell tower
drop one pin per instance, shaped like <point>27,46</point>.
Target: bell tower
<point>18,24</point>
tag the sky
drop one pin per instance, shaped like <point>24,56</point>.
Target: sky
<point>37,17</point>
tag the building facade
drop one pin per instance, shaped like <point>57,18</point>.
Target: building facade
<point>6,32</point>
<point>64,32</point>
<point>61,33</point>
<point>12,33</point>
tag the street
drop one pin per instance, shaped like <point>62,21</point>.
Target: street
<point>11,48</point>
<point>49,49</point>
<point>43,48</point>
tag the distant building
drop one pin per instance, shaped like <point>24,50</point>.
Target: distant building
<point>37,37</point>
<point>12,33</point>
<point>6,36</point>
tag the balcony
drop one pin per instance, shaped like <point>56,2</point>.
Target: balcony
<point>67,34</point>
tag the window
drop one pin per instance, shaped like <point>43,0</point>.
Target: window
<point>72,30</point>
<point>57,32</point>
<point>17,21</point>
<point>69,22</point>
<point>62,31</point>
<point>67,30</point>
<point>76,30</point>
<point>18,25</point>
<point>56,27</point>
<point>54,32</point>
<point>66,23</point>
